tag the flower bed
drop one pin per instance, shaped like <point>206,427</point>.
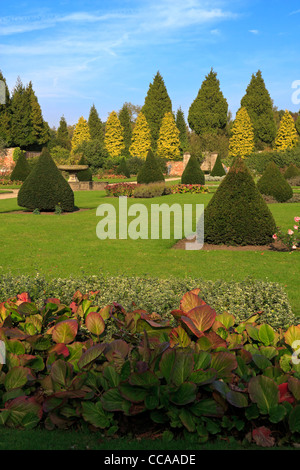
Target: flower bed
<point>207,376</point>
<point>189,188</point>
<point>291,239</point>
<point>120,189</point>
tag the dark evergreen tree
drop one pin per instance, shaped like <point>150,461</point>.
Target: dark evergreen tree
<point>95,125</point>
<point>45,187</point>
<point>85,175</point>
<point>291,172</point>
<point>62,134</point>
<point>208,112</point>
<point>21,170</point>
<point>218,169</point>
<point>237,213</point>
<point>124,117</point>
<point>40,132</point>
<point>5,115</point>
<point>273,183</point>
<point>20,116</point>
<point>123,169</point>
<point>182,127</point>
<point>192,173</point>
<point>150,171</point>
<point>259,105</point>
<point>157,103</point>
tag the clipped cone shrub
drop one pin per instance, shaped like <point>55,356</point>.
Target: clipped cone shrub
<point>192,173</point>
<point>123,169</point>
<point>150,171</point>
<point>21,170</point>
<point>237,213</point>
<point>273,183</point>
<point>45,187</point>
<point>85,175</point>
<point>218,169</point>
<point>291,172</point>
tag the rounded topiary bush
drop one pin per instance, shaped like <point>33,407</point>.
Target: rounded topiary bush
<point>150,171</point>
<point>291,172</point>
<point>123,169</point>
<point>21,170</point>
<point>273,183</point>
<point>192,173</point>
<point>45,187</point>
<point>237,213</point>
<point>218,169</point>
<point>85,175</point>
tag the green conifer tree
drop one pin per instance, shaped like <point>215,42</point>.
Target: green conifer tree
<point>259,105</point>
<point>150,171</point>
<point>273,183</point>
<point>22,168</point>
<point>182,127</point>
<point>62,134</point>
<point>208,112</point>
<point>241,142</point>
<point>95,125</point>
<point>5,115</point>
<point>192,173</point>
<point>21,125</point>
<point>40,133</point>
<point>157,103</point>
<point>218,169</point>
<point>124,117</point>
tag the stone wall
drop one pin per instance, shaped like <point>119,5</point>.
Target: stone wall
<point>88,185</point>
<point>177,168</point>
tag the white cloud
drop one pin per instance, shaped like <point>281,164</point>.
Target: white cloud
<point>254,31</point>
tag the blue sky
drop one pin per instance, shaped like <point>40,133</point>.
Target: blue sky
<point>107,52</point>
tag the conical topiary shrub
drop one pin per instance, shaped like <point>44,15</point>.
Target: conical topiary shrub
<point>21,170</point>
<point>192,173</point>
<point>45,187</point>
<point>123,169</point>
<point>84,175</point>
<point>150,171</point>
<point>218,169</point>
<point>273,183</point>
<point>291,172</point>
<point>237,213</point>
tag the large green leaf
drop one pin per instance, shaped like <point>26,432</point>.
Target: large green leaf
<point>294,387</point>
<point>266,334</point>
<point>112,400</point>
<point>60,372</point>
<point>237,399</point>
<point>207,407</point>
<point>226,319</point>
<point>292,334</point>
<point>202,360</point>
<point>187,420</point>
<point>24,411</point>
<point>294,419</point>
<point>94,414</point>
<point>203,377</point>
<point>179,338</point>
<point>95,323</point>
<point>224,363</point>
<point>185,394</point>
<point>89,356</point>
<point>65,331</point>
<point>263,391</point>
<point>144,379</point>
<point>167,363</point>
<point>132,393</point>
<point>199,319</point>
<point>17,377</point>
<point>182,368</point>
<point>112,376</point>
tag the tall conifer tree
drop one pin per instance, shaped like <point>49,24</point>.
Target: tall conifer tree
<point>124,117</point>
<point>114,140</point>
<point>181,126</point>
<point>141,138</point>
<point>40,133</point>
<point>259,105</point>
<point>287,136</point>
<point>168,141</point>
<point>81,133</point>
<point>157,103</point>
<point>241,142</point>
<point>21,126</point>
<point>5,115</point>
<point>62,134</point>
<point>95,125</point>
<point>208,112</point>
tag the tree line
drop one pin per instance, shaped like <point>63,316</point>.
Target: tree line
<point>133,130</point>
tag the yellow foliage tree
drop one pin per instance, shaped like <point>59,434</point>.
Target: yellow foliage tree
<point>287,136</point>
<point>81,133</point>
<point>141,137</point>
<point>168,144</point>
<point>241,142</point>
<point>114,139</point>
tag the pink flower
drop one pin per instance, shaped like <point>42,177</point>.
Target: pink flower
<point>290,232</point>
<point>297,219</point>
<point>294,247</point>
<point>296,227</point>
<point>275,236</point>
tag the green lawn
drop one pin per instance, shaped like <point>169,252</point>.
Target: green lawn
<point>59,246</point>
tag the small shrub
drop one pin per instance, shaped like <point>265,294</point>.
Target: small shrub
<point>218,169</point>
<point>292,172</point>
<point>151,190</point>
<point>21,170</point>
<point>123,169</point>
<point>150,171</point>
<point>272,183</point>
<point>192,173</point>
<point>85,175</point>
